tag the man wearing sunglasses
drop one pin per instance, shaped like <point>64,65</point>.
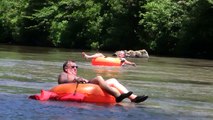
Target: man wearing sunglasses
<point>69,75</point>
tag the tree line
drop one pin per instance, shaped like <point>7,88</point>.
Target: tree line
<point>182,28</point>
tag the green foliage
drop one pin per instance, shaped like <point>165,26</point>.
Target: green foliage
<point>210,1</point>
<point>12,12</point>
<point>171,26</point>
<point>95,45</point>
<point>162,21</point>
<point>196,35</point>
<point>57,28</point>
<point>164,27</point>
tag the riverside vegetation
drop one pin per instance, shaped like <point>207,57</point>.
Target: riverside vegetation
<point>163,27</point>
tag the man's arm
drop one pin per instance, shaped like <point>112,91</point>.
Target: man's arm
<point>126,62</point>
<point>129,63</point>
<point>80,79</point>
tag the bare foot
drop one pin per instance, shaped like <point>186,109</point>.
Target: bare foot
<point>84,55</point>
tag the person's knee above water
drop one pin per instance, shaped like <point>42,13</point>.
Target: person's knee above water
<point>120,55</point>
<point>69,75</point>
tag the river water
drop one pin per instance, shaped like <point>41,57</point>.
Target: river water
<point>178,88</point>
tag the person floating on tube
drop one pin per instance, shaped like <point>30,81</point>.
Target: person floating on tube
<point>120,55</point>
<point>69,75</point>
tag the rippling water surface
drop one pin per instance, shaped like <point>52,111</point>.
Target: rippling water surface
<point>178,88</point>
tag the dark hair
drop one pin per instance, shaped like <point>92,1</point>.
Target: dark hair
<point>65,65</point>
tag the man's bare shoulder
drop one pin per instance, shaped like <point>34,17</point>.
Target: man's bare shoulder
<point>63,74</point>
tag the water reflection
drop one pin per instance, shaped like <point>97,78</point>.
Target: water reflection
<point>107,71</point>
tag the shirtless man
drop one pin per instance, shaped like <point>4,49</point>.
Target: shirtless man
<point>69,75</point>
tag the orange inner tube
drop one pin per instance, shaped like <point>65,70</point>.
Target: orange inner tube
<point>106,61</point>
<point>92,92</point>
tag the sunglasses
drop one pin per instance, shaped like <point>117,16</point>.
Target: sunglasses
<point>74,66</point>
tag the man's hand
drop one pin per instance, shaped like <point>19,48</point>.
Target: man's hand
<point>81,80</point>
<point>133,64</point>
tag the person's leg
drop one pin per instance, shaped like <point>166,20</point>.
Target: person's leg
<point>122,89</point>
<point>114,83</point>
<point>92,56</point>
<point>102,83</point>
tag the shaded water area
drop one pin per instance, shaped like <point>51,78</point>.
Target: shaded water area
<point>178,89</point>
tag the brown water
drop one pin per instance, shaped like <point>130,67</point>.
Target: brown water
<point>178,89</point>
